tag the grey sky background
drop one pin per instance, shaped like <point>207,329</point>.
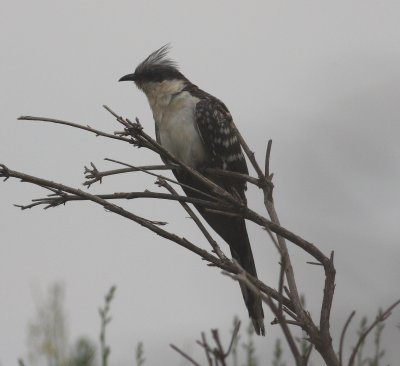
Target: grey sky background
<point>322,79</point>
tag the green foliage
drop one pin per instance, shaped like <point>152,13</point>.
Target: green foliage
<point>105,320</point>
<point>304,345</point>
<point>234,350</point>
<point>362,328</point>
<point>47,333</point>
<point>48,341</point>
<point>278,353</point>
<point>378,352</point>
<point>83,353</point>
<point>249,347</point>
<point>139,354</point>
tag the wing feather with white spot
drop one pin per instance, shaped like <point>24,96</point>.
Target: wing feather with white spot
<point>215,126</point>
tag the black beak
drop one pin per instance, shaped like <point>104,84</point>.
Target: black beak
<point>129,77</point>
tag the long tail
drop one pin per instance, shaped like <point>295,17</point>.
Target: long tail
<point>234,232</point>
<point>244,256</point>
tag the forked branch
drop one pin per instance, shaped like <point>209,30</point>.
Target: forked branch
<point>284,303</point>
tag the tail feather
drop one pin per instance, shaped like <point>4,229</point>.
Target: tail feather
<point>234,232</point>
<point>252,301</point>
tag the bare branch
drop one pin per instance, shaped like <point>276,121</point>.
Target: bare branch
<point>213,243</point>
<point>219,352</point>
<point>234,335</point>
<point>75,125</point>
<point>225,265</point>
<point>285,233</point>
<point>136,131</point>
<point>308,354</point>
<point>315,263</point>
<point>185,355</point>
<point>58,199</point>
<point>164,178</point>
<point>281,283</point>
<point>291,322</point>
<point>94,175</point>
<point>206,347</point>
<point>234,175</point>
<point>116,209</point>
<point>267,158</point>
<point>242,277</point>
<point>381,317</point>
<point>321,338</point>
<point>224,203</point>
<point>343,335</point>
<point>329,289</point>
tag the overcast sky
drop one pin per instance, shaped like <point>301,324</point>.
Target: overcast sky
<point>322,79</point>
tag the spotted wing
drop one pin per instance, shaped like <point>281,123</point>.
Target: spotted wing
<point>215,126</point>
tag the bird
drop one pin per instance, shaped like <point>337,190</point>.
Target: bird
<point>196,128</point>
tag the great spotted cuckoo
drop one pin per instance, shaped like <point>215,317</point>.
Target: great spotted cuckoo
<point>196,128</point>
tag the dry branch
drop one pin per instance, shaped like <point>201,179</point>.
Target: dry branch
<point>227,265</point>
<point>283,302</point>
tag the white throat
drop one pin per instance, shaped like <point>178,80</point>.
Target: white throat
<point>174,115</point>
<point>160,95</point>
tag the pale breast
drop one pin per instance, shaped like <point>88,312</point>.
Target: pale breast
<point>178,130</point>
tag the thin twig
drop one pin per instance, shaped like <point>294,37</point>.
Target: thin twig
<point>242,277</point>
<point>219,351</point>
<point>234,175</point>
<point>281,283</point>
<point>327,299</point>
<point>141,136</point>
<point>105,320</point>
<point>207,350</point>
<point>308,354</point>
<point>64,198</point>
<point>291,322</point>
<point>75,125</point>
<point>6,172</point>
<point>315,263</point>
<point>234,335</point>
<point>159,176</point>
<point>274,218</point>
<point>382,316</point>
<point>213,243</point>
<point>267,158</point>
<point>342,335</point>
<point>185,355</point>
<point>93,175</point>
<point>226,204</point>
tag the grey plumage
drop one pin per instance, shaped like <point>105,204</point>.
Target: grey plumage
<point>195,127</point>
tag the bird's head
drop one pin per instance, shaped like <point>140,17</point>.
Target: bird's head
<point>156,70</point>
